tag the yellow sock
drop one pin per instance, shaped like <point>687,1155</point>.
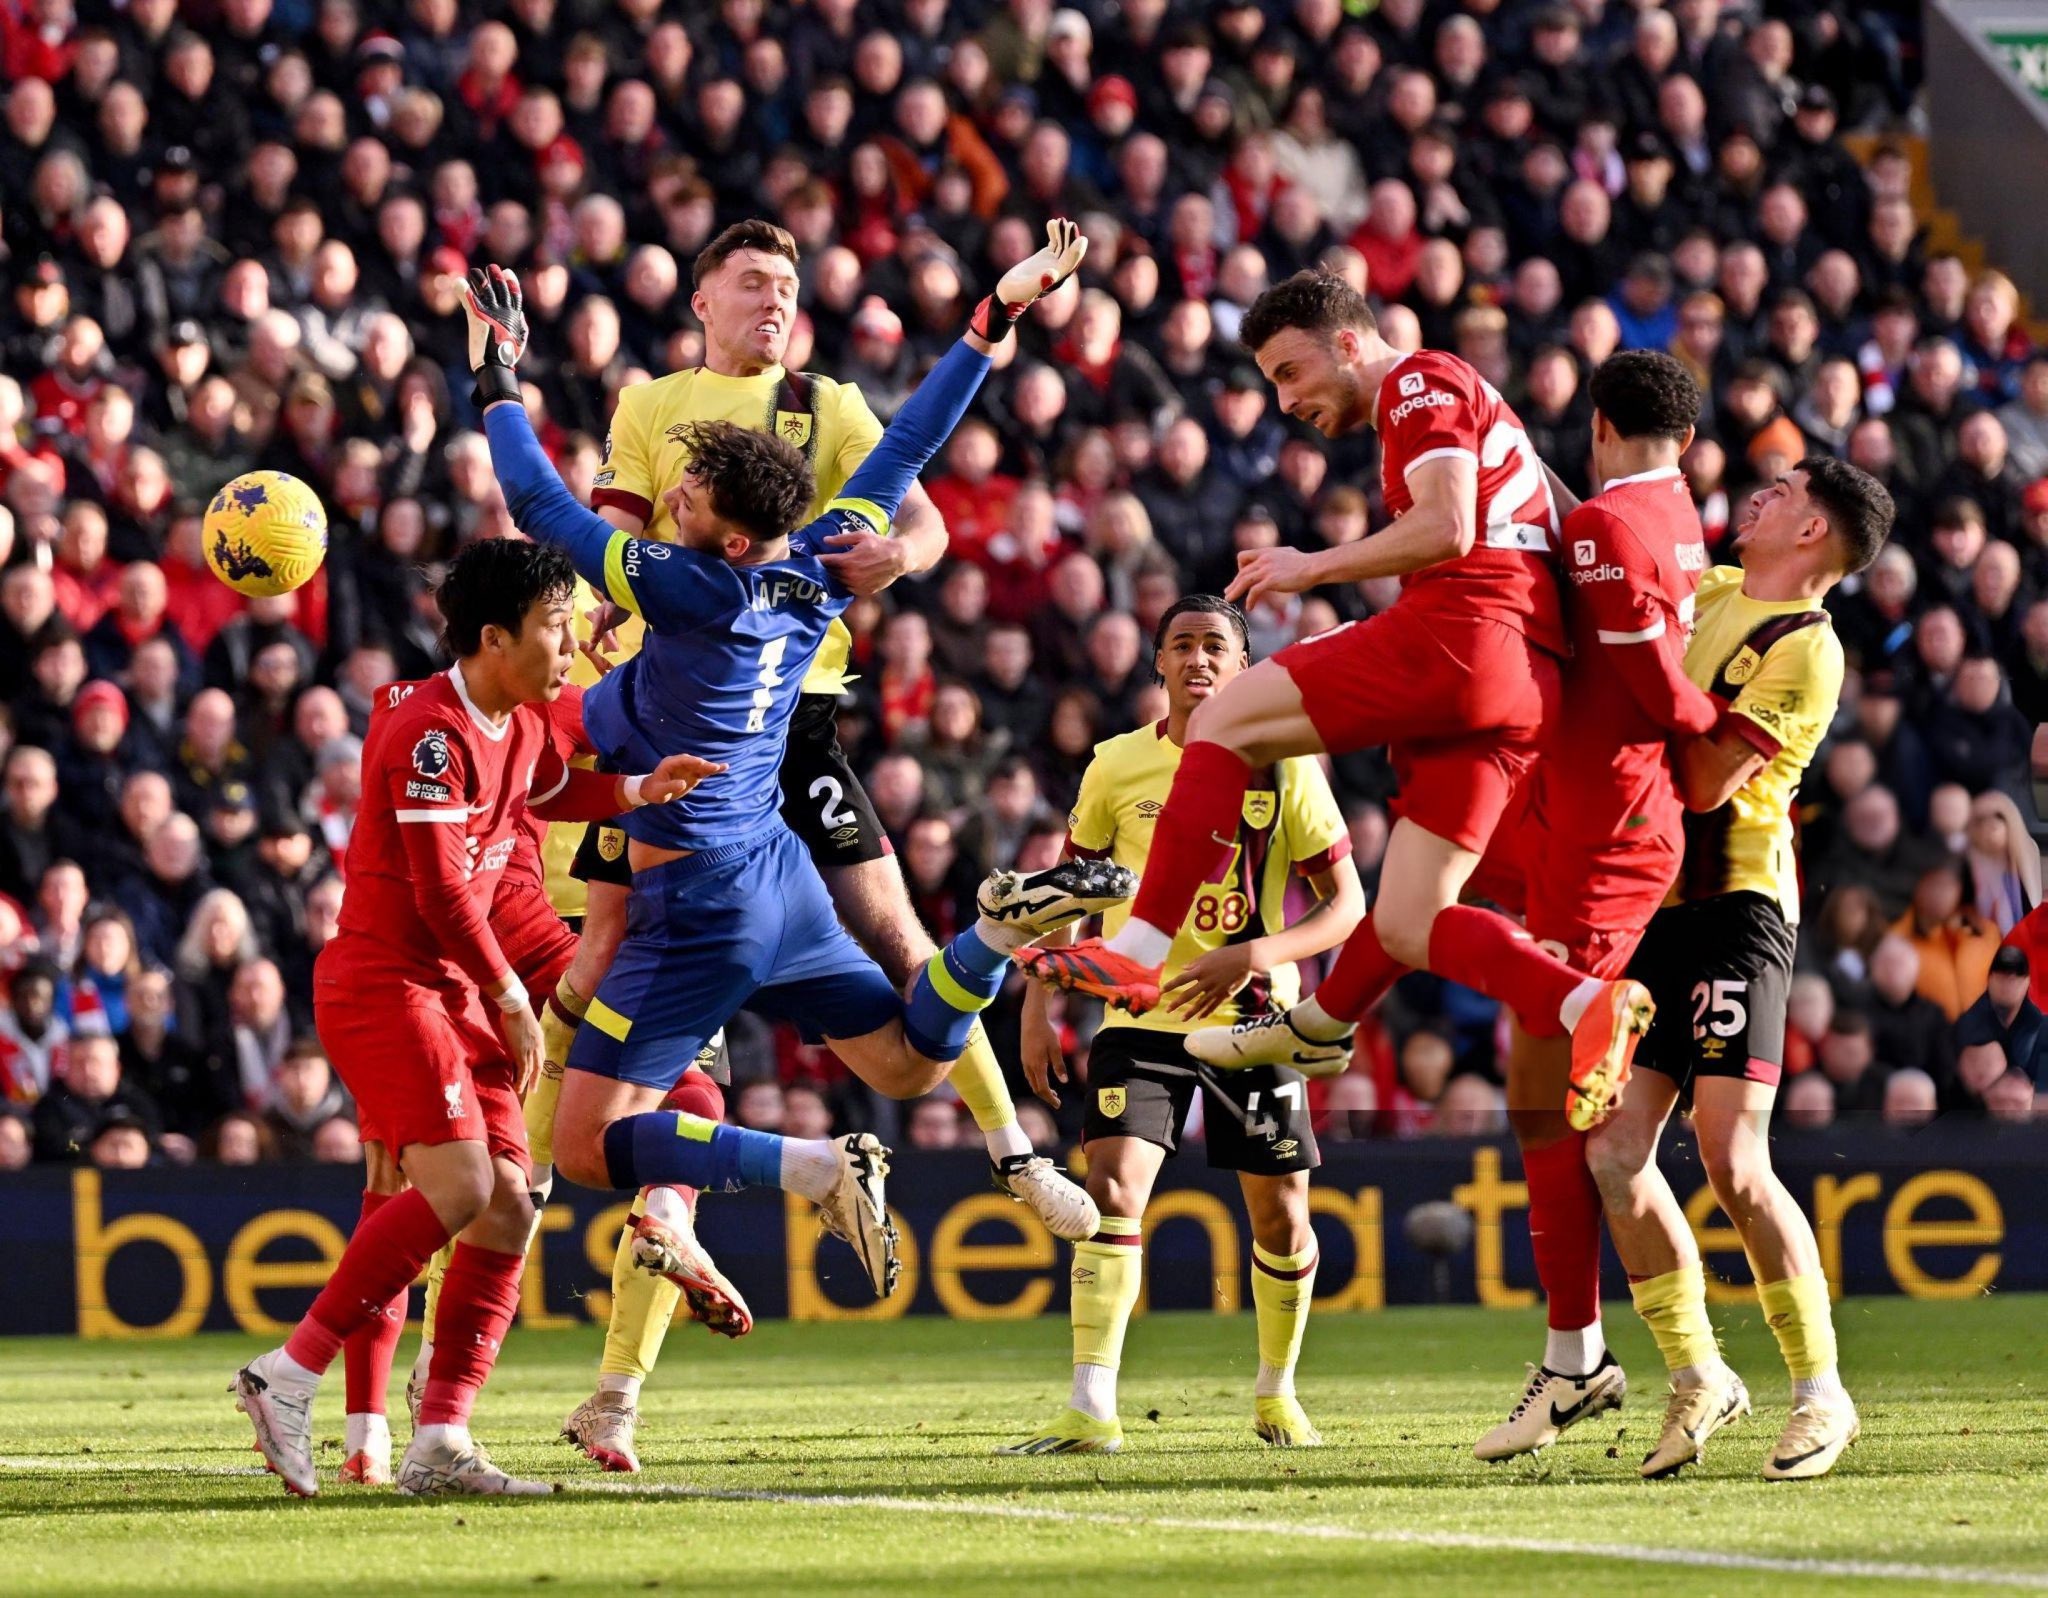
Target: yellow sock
<point>572,1002</point>
<point>978,1079</point>
<point>1283,1288</point>
<point>1798,1314</point>
<point>437,1268</point>
<point>642,1307</point>
<point>1674,1307</point>
<point>556,1035</point>
<point>1108,1271</point>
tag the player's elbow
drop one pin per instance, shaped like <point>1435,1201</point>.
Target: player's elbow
<point>1459,532</point>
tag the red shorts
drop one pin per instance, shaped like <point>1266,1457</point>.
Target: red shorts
<point>1460,701</point>
<point>538,945</point>
<point>425,1065</point>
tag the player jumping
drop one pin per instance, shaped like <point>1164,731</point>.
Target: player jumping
<point>727,910</point>
<point>1589,856</point>
<point>1234,955</point>
<point>1458,678</point>
<point>745,294</point>
<point>1718,962</point>
<point>399,997</point>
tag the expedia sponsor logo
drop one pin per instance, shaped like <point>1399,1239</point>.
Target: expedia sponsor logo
<point>1434,398</point>
<point>1609,573</point>
<point>1692,557</point>
<point>1412,383</point>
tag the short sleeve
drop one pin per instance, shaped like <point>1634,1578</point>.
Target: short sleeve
<point>1792,698</point>
<point>1432,417</point>
<point>1316,833</point>
<point>1613,577</point>
<point>429,779</point>
<point>860,430</point>
<point>1091,827</point>
<point>625,479</point>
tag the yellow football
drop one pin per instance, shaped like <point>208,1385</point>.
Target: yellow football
<point>266,533</point>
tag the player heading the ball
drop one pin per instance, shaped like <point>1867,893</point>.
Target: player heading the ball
<point>728,909</point>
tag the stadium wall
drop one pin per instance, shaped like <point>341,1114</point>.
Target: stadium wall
<point>1987,97</point>
<point>164,1253</point>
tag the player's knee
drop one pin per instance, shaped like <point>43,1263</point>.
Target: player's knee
<point>913,1076</point>
<point>1278,1212</point>
<point>1403,935</point>
<point>1739,1174</point>
<point>1216,722</point>
<point>580,1157</point>
<point>1618,1160</point>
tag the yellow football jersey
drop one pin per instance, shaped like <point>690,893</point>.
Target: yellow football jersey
<point>644,456</point>
<point>1290,826</point>
<point>1777,665</point>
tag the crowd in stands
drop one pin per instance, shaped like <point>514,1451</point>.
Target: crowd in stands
<point>233,233</point>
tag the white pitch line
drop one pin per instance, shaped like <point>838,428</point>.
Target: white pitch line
<point>1474,1542</point>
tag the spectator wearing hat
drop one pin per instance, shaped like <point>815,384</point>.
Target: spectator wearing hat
<point>94,763</point>
<point>1244,436</point>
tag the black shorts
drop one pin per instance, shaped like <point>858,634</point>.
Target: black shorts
<point>601,856</point>
<point>823,802</point>
<point>1141,1084</point>
<point>1720,972</point>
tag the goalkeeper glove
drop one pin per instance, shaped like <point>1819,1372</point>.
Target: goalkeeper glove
<point>497,333</point>
<point>1030,280</point>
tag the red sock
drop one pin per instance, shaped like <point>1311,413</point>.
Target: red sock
<point>370,1349</point>
<point>1564,1230</point>
<point>696,1095</point>
<point>1491,955</point>
<point>1194,833</point>
<point>1360,978</point>
<point>479,1297</point>
<point>379,1263</point>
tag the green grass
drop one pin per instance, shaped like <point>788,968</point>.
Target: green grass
<point>123,1469</point>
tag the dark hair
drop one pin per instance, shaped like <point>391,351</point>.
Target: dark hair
<point>753,234</point>
<point>494,583</point>
<point>1208,604</point>
<point>1858,507</point>
<point>1959,510</point>
<point>754,479</point>
<point>1315,301</point>
<point>1645,394</point>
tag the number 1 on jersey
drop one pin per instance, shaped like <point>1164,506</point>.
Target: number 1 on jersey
<point>770,679</point>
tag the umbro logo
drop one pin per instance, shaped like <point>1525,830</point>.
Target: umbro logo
<point>1149,807</point>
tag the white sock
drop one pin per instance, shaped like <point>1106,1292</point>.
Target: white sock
<point>1006,1141</point>
<point>1577,1001</point>
<point>423,1359</point>
<point>669,1207</point>
<point>1275,1381</point>
<point>810,1167</point>
<point>1143,942</point>
<point>1312,1021</point>
<point>1827,1387</point>
<point>1700,1375</point>
<point>627,1386</point>
<point>453,1437</point>
<point>1573,1353</point>
<point>280,1370</point>
<point>366,1433</point>
<point>1095,1391</point>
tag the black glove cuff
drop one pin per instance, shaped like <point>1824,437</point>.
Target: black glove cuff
<point>992,319</point>
<point>494,383</point>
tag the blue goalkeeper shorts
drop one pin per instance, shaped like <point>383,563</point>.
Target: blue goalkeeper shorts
<point>747,925</point>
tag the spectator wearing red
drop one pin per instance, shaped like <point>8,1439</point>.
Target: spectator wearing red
<point>83,580</point>
<point>1388,239</point>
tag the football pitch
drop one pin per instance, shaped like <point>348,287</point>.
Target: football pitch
<point>855,1458</point>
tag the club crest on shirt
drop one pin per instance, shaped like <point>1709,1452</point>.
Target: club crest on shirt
<point>1743,666</point>
<point>430,757</point>
<point>793,427</point>
<point>1111,1101</point>
<point>1260,807</point>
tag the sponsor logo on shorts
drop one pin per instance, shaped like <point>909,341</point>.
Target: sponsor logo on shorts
<point>611,843</point>
<point>427,790</point>
<point>430,756</point>
<point>845,835</point>
<point>1111,1101</point>
<point>1433,400</point>
<point>1412,383</point>
<point>452,1092</point>
<point>1284,1148</point>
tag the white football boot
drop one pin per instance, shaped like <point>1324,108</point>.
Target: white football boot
<point>856,1212</point>
<point>1062,1204</point>
<point>1550,1405</point>
<point>282,1414</point>
<point>1693,1415</point>
<point>446,1459</point>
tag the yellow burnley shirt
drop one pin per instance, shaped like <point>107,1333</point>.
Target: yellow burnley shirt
<point>1777,668</point>
<point>644,456</point>
<point>1290,826</point>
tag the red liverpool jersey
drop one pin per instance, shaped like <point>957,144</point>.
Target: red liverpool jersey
<point>1633,558</point>
<point>565,732</point>
<point>444,790</point>
<point>1434,405</point>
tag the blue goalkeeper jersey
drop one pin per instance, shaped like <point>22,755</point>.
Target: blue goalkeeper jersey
<point>726,647</point>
